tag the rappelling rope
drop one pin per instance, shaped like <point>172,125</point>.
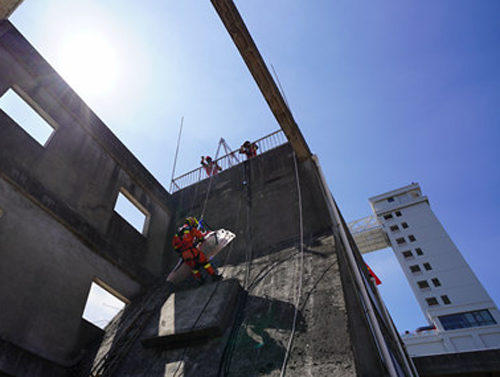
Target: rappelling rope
<point>215,289</point>
<point>212,170</point>
<point>301,267</point>
<point>238,322</point>
<point>195,194</point>
<point>248,249</point>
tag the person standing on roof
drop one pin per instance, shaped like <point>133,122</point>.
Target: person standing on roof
<point>249,149</point>
<point>186,242</point>
<point>211,167</point>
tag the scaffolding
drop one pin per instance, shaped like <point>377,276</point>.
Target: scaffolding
<point>368,234</point>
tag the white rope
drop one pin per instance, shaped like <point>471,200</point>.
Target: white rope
<point>301,265</point>
<point>213,168</point>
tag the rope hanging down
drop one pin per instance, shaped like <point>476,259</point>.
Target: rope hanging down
<point>301,269</point>
<point>217,284</point>
<point>210,181</point>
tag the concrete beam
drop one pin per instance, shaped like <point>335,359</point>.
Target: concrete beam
<point>7,7</point>
<point>243,40</point>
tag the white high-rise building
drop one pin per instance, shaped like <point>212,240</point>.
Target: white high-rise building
<point>461,314</point>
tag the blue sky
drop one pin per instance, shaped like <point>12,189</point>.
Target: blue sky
<point>386,93</point>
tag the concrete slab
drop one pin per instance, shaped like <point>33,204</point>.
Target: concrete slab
<point>193,316</point>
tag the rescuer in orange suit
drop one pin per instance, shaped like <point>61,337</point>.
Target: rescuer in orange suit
<point>249,149</point>
<point>210,166</point>
<point>186,242</point>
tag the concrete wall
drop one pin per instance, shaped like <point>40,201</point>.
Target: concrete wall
<point>58,227</point>
<point>258,201</point>
<point>58,231</point>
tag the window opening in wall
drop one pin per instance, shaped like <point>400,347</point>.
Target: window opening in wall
<point>398,213</point>
<point>103,304</point>
<point>427,266</point>
<point>388,217</point>
<point>432,301</point>
<point>415,268</point>
<point>394,228</point>
<point>128,208</point>
<point>412,238</point>
<point>436,282</point>
<point>423,284</point>
<point>419,251</point>
<point>407,254</point>
<point>446,300</point>
<point>390,199</point>
<point>400,241</point>
<point>26,116</point>
<point>404,225</point>
<point>467,319</point>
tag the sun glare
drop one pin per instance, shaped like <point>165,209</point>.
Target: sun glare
<point>88,64</point>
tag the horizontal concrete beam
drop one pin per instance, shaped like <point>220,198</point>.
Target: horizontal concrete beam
<point>249,52</point>
<point>7,7</point>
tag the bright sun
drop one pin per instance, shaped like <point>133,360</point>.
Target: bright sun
<point>88,64</point>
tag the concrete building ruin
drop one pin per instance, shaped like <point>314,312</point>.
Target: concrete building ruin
<point>59,231</point>
<point>296,299</point>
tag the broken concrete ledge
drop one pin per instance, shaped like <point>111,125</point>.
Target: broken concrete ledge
<point>195,316</point>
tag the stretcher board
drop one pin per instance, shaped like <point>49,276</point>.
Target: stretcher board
<point>214,242</point>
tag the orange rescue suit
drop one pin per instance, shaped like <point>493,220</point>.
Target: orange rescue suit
<point>184,242</point>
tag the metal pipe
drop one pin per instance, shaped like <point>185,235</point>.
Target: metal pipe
<point>357,275</point>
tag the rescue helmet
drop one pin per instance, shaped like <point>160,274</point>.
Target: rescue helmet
<point>192,221</point>
<point>246,143</point>
<point>208,159</point>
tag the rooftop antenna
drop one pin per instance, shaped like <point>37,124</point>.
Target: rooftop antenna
<point>172,183</point>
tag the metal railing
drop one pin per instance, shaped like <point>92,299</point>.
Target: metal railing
<point>230,159</point>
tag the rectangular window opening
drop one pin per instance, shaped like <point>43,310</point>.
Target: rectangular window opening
<point>446,300</point>
<point>412,238</point>
<point>432,301</point>
<point>130,209</point>
<point>436,282</point>
<point>27,115</point>
<point>419,251</point>
<point>394,228</point>
<point>103,304</point>
<point>427,266</point>
<point>398,213</point>
<point>423,284</point>
<point>404,225</point>
<point>407,254</point>
<point>467,319</point>
<point>388,217</point>
<point>400,241</point>
<point>415,268</point>
<point>390,199</point>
